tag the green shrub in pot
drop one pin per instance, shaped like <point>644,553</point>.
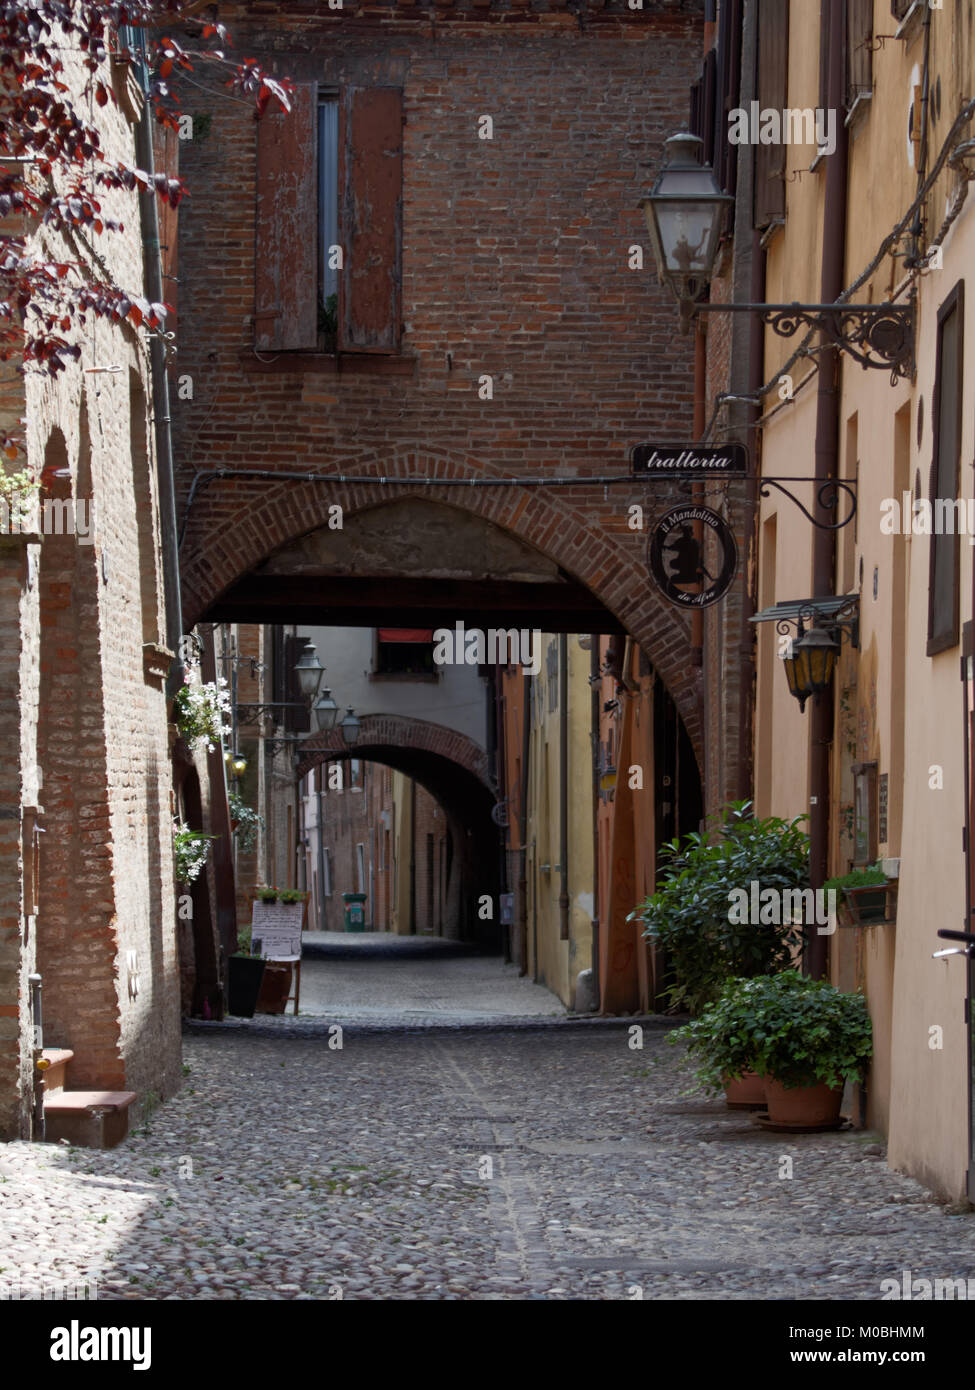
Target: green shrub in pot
<point>798,1031</point>
<point>690,917</point>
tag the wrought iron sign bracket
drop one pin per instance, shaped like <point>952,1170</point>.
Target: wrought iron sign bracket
<point>828,497</point>
<point>254,713</point>
<point>875,335</point>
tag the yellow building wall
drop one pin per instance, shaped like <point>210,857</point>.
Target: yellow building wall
<point>552,961</point>
<point>893,703</point>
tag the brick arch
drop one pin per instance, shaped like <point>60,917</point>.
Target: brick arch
<point>380,733</point>
<point>235,525</point>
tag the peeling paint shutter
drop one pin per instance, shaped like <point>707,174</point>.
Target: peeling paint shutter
<point>286,275</point>
<point>371,184</point>
<point>773,74</point>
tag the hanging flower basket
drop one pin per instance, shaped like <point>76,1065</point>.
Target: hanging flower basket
<point>201,712</point>
<point>191,848</point>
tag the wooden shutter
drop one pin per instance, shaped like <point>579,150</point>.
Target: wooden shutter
<point>773,81</point>
<point>702,107</point>
<point>371,218</point>
<point>286,273</point>
<point>947,419</point>
<point>824,50</point>
<point>859,56</point>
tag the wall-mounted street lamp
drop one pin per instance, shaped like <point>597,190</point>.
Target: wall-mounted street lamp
<point>816,628</point>
<point>325,712</point>
<point>350,727</point>
<point>684,212</point>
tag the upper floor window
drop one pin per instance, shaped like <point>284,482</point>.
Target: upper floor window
<point>329,222</point>
<point>404,651</point>
<point>945,554</point>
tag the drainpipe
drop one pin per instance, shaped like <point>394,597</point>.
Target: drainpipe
<point>152,270</point>
<point>413,861</point>
<point>826,456</point>
<point>563,787</point>
<point>37,1071</point>
<point>594,699</point>
<point>523,826</point>
<point>321,850</point>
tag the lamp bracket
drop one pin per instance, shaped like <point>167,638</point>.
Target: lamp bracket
<point>875,335</point>
<point>840,623</point>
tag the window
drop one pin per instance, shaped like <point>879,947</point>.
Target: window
<point>945,557</point>
<point>360,868</point>
<point>318,167</point>
<point>773,74</point>
<point>859,54</point>
<point>865,817</point>
<point>328,218</point>
<point>404,651</point>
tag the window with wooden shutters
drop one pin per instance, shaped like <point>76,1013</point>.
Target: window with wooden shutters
<point>773,77</point>
<point>944,563</point>
<point>727,92</point>
<point>702,107</point>
<point>824,50</point>
<point>859,54</point>
<point>329,222</point>
<point>286,250</point>
<point>371,217</point>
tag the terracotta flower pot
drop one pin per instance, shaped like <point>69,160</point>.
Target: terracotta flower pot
<point>747,1093</point>
<point>802,1105</point>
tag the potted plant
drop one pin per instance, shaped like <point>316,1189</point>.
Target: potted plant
<point>867,895</point>
<point>245,975</point>
<point>804,1036</point>
<point>292,895</point>
<point>691,915</point>
<point>267,895</point>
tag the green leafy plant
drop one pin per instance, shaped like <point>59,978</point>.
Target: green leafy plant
<point>268,895</point>
<point>190,848</point>
<point>801,1032</point>
<point>871,877</point>
<point>688,915</point>
<point>291,895</point>
<point>244,944</point>
<point>248,822</point>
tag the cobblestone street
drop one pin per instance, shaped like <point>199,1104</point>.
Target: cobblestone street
<point>289,1169</point>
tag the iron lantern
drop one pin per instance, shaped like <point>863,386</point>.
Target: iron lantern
<point>684,211</point>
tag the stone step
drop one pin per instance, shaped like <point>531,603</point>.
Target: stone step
<point>53,1065</point>
<point>90,1119</point>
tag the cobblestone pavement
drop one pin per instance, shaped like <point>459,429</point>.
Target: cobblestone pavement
<point>523,1161</point>
<point>377,975</point>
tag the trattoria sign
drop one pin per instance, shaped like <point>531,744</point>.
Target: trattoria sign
<point>689,460</point>
<point>686,570</point>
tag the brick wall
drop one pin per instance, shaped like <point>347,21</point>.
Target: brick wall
<point>515,265</point>
<point>86,726</point>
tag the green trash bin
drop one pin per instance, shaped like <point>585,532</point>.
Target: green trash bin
<point>355,912</point>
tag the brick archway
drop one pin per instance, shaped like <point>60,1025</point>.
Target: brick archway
<point>381,733</point>
<point>235,523</point>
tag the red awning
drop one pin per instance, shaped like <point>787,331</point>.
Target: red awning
<point>406,634</point>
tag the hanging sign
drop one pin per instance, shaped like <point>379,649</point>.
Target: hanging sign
<point>689,460</point>
<point>684,569</point>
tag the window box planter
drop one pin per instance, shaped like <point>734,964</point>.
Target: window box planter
<point>871,905</point>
